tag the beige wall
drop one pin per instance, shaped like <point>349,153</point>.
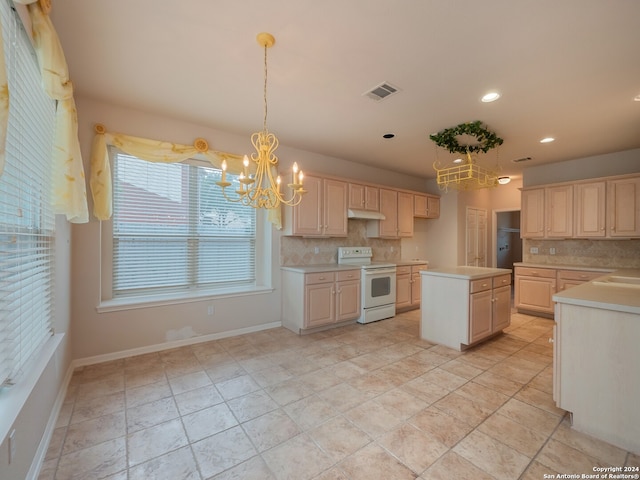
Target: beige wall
<point>96,334</point>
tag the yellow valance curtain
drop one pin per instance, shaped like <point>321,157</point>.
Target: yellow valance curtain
<point>68,180</point>
<point>151,151</point>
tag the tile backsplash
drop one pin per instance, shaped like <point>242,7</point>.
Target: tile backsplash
<point>587,253</point>
<point>302,251</point>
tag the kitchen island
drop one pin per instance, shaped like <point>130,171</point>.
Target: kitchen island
<point>597,357</point>
<point>462,306</point>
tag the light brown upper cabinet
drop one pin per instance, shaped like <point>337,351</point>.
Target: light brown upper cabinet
<point>559,211</point>
<point>589,212</point>
<point>397,207</point>
<point>426,206</point>
<point>364,197</point>
<point>623,207</point>
<point>532,213</point>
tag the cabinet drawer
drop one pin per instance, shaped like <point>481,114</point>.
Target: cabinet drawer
<point>348,275</point>
<point>580,275</point>
<point>403,270</point>
<point>418,268</point>
<point>480,285</point>
<point>536,272</point>
<point>501,280</point>
<point>324,277</point>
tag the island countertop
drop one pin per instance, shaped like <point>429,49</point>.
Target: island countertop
<point>470,273</point>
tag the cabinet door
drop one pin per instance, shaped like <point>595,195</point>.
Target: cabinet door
<point>308,215</point>
<point>389,208</point>
<point>480,315</point>
<point>415,289</point>
<point>532,213</point>
<point>335,208</point>
<point>535,293</point>
<point>623,207</point>
<point>372,198</point>
<point>405,214</point>
<point>356,196</point>
<point>559,211</point>
<point>347,300</point>
<point>320,307</point>
<point>433,207</point>
<point>589,209</point>
<point>420,206</point>
<point>403,290</point>
<point>501,308</point>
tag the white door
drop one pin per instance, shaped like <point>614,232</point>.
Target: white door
<point>476,237</point>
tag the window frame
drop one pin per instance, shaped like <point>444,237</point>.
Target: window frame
<point>263,267</point>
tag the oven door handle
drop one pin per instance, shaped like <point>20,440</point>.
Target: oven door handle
<point>379,271</point>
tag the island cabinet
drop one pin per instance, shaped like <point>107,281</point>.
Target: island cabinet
<point>397,207</point>
<point>322,211</point>
<point>319,299</point>
<point>408,291</point>
<point>596,360</point>
<point>462,306</point>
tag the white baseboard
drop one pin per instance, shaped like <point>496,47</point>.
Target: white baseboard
<point>81,362</point>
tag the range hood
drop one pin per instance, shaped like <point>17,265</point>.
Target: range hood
<point>365,214</point>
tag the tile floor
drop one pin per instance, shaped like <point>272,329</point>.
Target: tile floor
<point>358,402</point>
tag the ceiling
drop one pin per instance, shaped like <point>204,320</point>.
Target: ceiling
<point>567,69</point>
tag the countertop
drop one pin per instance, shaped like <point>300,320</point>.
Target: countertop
<point>564,267</point>
<point>469,273</point>
<point>413,261</point>
<point>607,297</point>
<point>329,267</point>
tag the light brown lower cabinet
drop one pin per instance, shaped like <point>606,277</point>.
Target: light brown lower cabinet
<point>322,299</point>
<point>408,291</point>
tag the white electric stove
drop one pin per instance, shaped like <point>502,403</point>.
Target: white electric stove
<point>378,297</point>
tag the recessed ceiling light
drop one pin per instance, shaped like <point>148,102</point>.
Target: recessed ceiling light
<point>547,140</point>
<point>636,98</point>
<point>490,97</point>
<point>504,180</point>
<point>388,135</point>
<point>457,160</point>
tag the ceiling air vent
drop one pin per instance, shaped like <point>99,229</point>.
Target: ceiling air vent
<point>523,159</point>
<point>383,90</point>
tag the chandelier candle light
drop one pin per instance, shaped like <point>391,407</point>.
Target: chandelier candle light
<point>262,190</point>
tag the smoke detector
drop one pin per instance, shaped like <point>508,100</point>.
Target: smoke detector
<point>381,91</point>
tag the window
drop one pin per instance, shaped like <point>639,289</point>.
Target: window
<point>173,231</point>
<point>27,222</point>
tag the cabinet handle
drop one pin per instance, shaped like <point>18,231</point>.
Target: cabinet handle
<point>583,276</point>
<point>551,340</point>
<point>349,276</point>
<point>534,274</point>
<point>321,278</point>
<point>484,284</point>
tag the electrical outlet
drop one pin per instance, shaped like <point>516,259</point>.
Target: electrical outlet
<point>211,310</point>
<point>12,445</point>
<point>533,250</point>
<point>316,250</point>
<point>552,251</point>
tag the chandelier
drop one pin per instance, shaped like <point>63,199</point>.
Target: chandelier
<point>261,189</point>
<point>466,174</point>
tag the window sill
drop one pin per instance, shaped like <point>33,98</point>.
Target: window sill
<point>13,399</point>
<point>131,303</point>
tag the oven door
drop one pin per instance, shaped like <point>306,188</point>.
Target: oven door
<point>379,287</point>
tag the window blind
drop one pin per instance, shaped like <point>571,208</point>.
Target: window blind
<point>27,222</point>
<point>174,231</point>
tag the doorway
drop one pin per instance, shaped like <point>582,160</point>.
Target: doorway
<point>507,244</point>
